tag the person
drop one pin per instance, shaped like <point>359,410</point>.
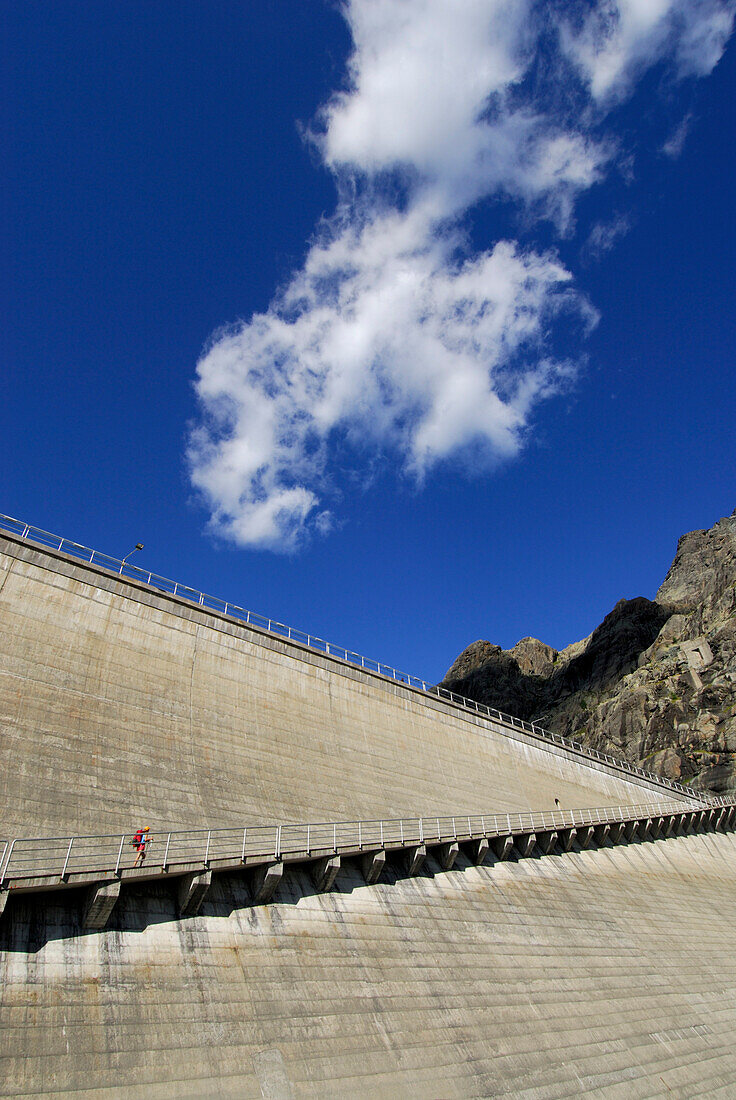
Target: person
<point>140,840</point>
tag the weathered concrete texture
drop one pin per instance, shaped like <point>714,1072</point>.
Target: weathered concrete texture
<point>568,974</point>
<point>119,706</point>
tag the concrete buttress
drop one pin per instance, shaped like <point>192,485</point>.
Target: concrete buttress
<point>525,843</point>
<point>324,872</point>
<point>372,865</point>
<point>502,846</point>
<point>547,841</point>
<point>264,881</point>
<point>446,854</point>
<point>99,904</point>
<point>192,892</point>
<point>414,859</point>
<point>477,850</point>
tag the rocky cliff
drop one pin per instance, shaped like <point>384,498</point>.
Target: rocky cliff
<point>655,682</point>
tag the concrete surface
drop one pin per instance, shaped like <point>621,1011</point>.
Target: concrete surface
<point>605,972</point>
<point>121,707</point>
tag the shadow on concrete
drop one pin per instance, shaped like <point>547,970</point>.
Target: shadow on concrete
<point>30,921</point>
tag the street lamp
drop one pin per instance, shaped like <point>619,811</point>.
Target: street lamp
<point>138,546</point>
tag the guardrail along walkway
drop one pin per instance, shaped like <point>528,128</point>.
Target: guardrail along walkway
<point>102,863</point>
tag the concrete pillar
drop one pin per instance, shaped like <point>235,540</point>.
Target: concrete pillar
<point>446,854</point>
<point>99,904</point>
<point>566,838</point>
<point>631,829</point>
<point>264,881</point>
<point>670,825</point>
<point>616,831</point>
<point>372,864</point>
<point>547,841</point>
<point>525,843</point>
<point>730,811</point>
<point>502,846</point>
<point>710,818</point>
<point>721,819</point>
<point>3,901</point>
<point>585,836</point>
<point>601,832</point>
<point>477,850</point>
<point>192,892</point>
<point>323,872</point>
<point>414,858</point>
<point>657,826</point>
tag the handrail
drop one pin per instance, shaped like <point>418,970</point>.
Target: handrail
<point>57,860</point>
<point>251,618</point>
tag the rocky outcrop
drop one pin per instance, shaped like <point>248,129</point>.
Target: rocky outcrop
<point>655,682</point>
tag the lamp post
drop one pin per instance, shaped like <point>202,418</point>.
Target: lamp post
<point>138,546</point>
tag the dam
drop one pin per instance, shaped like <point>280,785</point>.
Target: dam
<point>431,899</point>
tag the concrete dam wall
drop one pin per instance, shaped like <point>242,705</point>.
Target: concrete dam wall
<point>606,972</point>
<point>120,705</point>
<point>549,970</point>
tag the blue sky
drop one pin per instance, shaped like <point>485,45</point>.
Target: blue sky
<point>405,323</point>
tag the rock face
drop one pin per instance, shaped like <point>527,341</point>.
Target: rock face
<point>655,682</point>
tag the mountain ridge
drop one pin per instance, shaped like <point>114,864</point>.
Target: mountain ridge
<point>655,682</point>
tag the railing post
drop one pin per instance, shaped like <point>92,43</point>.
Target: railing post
<point>401,826</point>
<point>207,849</point>
<point>421,830</point>
<point>277,853</point>
<point>360,834</point>
<point>245,833</point>
<point>7,861</point>
<point>382,834</point>
<point>165,862</point>
<point>308,844</point>
<point>120,855</point>
<point>66,861</point>
<point>334,836</point>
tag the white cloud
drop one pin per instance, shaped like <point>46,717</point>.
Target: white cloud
<point>394,338</point>
<point>675,143</point>
<point>615,40</point>
<point>603,236</point>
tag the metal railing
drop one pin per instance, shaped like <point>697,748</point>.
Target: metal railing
<point>251,618</point>
<point>64,860</point>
